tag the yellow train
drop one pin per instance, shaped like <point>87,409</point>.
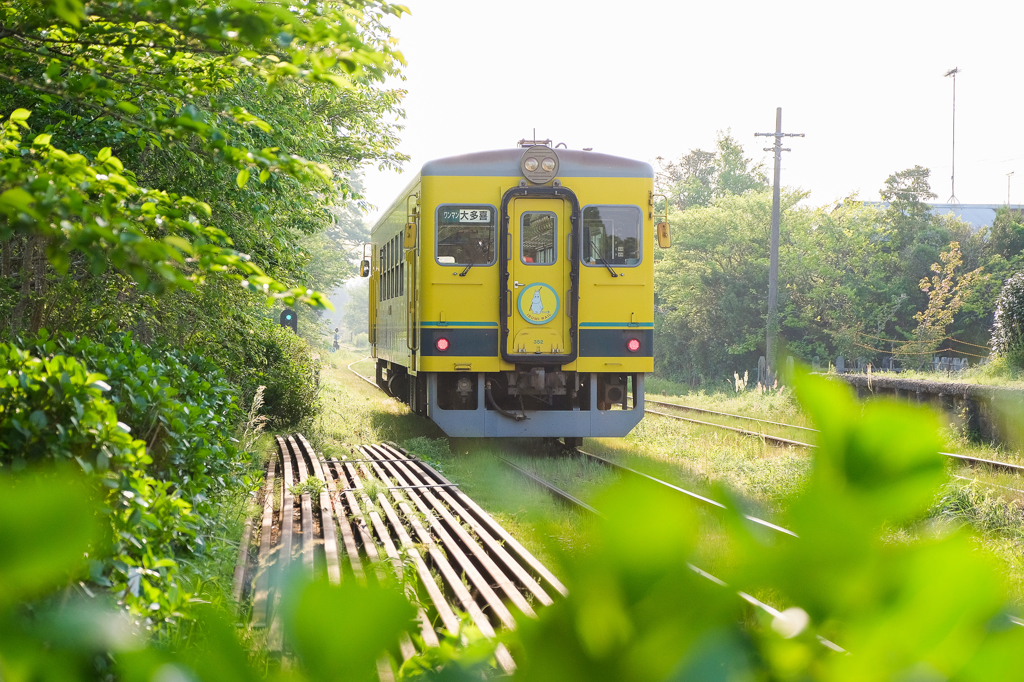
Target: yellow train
<point>512,292</point>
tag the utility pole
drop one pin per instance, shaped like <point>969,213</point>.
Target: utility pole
<point>952,178</point>
<point>1008,187</point>
<point>773,268</point>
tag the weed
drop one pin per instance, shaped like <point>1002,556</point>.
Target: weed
<point>254,422</point>
<point>312,485</point>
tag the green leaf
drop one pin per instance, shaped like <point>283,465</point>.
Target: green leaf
<point>20,115</point>
<point>47,523</point>
<point>242,177</point>
<point>41,140</point>
<point>17,198</point>
<point>128,107</point>
<point>103,154</point>
<point>334,644</point>
<point>54,69</point>
<point>70,11</point>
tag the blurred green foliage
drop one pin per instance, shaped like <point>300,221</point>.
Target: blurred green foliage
<point>930,609</point>
<point>934,609</point>
<point>152,426</point>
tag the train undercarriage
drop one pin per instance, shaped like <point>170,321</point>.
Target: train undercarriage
<point>529,401</point>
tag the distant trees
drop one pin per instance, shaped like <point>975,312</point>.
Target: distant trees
<point>852,276</point>
<point>700,177</point>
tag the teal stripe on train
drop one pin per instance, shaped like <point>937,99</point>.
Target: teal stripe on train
<point>627,325</point>
<point>459,324</point>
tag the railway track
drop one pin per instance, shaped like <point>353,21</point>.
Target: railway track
<point>363,517</point>
<point>1003,466</point>
<point>767,437</point>
<point>573,501</point>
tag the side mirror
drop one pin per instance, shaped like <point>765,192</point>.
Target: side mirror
<point>664,236</point>
<point>364,269</point>
<point>409,240</point>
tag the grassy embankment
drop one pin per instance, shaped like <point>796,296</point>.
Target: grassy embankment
<point>987,500</point>
<point>758,476</point>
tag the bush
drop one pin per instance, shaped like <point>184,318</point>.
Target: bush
<point>76,399</point>
<point>260,352</point>
<point>1008,331</point>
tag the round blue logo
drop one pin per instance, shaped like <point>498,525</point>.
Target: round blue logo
<point>538,303</point>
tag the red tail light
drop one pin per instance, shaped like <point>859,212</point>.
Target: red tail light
<point>633,345</point>
<point>442,344</point>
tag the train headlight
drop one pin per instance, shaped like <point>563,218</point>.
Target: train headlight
<point>633,345</point>
<point>442,344</point>
<point>539,164</point>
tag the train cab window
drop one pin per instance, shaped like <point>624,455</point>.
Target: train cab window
<point>466,235</point>
<point>538,235</point>
<point>611,235</point>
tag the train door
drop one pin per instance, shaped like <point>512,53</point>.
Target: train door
<point>539,276</point>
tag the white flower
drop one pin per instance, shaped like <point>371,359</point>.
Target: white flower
<point>102,385</point>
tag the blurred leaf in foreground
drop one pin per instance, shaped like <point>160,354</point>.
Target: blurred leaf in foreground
<point>47,525</point>
<point>339,631</point>
<point>931,609</point>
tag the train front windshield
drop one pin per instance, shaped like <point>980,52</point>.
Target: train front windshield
<point>611,235</point>
<point>466,235</point>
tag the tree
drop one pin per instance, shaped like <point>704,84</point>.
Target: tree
<point>1008,333</point>
<point>1006,236</point>
<point>711,285</point>
<point>195,99</point>
<point>947,290</point>
<point>357,309</point>
<point>700,176</point>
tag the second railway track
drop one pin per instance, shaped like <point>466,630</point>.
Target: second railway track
<point>1003,466</point>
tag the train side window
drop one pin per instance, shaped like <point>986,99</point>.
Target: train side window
<point>611,235</point>
<point>538,236</point>
<point>466,235</point>
<point>401,279</point>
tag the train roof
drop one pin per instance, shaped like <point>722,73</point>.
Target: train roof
<point>572,163</point>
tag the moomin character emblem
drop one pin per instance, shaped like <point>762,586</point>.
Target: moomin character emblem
<point>536,307</point>
<point>538,303</point>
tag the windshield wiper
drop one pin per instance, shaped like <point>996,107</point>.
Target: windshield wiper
<point>463,273</point>
<point>595,250</point>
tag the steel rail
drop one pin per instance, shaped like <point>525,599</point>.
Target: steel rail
<point>1015,468</point>
<point>727,414</point>
<point>701,498</point>
<point>558,492</point>
<point>763,436</point>
<point>366,379</point>
<point>553,489</point>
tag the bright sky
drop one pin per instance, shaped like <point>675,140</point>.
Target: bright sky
<point>641,79</point>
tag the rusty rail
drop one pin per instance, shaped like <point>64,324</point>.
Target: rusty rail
<point>378,510</point>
